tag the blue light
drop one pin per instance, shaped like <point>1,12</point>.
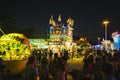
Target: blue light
<point>64,28</point>
<point>50,29</point>
<point>116,40</point>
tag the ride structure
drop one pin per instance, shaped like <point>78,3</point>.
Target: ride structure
<point>60,36</point>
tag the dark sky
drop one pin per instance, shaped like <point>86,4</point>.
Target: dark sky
<point>87,14</point>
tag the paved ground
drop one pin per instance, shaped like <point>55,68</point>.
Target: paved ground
<point>75,68</point>
<point>75,63</point>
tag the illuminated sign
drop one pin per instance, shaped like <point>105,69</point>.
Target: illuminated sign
<point>12,37</point>
<point>115,33</point>
<point>55,43</point>
<point>116,39</point>
<point>12,45</point>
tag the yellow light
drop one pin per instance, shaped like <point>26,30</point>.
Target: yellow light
<point>105,22</point>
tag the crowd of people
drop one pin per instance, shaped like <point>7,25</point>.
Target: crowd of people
<point>102,66</point>
<point>39,67</point>
<point>52,66</point>
<point>44,65</point>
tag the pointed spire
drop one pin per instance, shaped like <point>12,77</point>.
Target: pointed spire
<point>53,23</point>
<point>59,18</point>
<point>51,19</point>
<point>70,21</point>
<point>51,16</point>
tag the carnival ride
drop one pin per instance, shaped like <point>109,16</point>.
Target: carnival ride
<point>14,50</point>
<point>60,36</point>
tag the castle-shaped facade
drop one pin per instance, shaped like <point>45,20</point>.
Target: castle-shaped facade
<point>59,34</point>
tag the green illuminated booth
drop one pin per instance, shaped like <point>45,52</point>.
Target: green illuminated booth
<point>15,50</point>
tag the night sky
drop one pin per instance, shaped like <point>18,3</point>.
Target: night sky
<point>87,14</point>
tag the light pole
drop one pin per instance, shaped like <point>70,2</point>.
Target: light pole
<point>98,40</point>
<point>105,22</point>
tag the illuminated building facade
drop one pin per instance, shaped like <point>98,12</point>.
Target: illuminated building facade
<point>38,43</point>
<point>58,33</point>
<point>116,39</point>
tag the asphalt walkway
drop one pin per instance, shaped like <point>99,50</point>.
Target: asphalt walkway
<point>75,68</point>
<point>75,63</point>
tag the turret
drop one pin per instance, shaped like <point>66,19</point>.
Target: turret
<point>59,18</point>
<point>51,21</point>
<point>70,23</point>
<point>59,21</point>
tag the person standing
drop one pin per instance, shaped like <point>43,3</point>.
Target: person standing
<point>4,72</point>
<point>60,70</point>
<point>50,55</point>
<point>107,71</point>
<point>30,72</point>
<point>44,69</point>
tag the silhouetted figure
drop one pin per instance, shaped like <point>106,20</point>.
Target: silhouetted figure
<point>31,71</point>
<point>44,69</point>
<point>50,54</point>
<point>107,71</point>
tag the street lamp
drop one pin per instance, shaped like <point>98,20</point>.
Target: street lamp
<point>98,40</point>
<point>105,22</point>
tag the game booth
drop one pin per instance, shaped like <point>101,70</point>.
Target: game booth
<point>15,50</point>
